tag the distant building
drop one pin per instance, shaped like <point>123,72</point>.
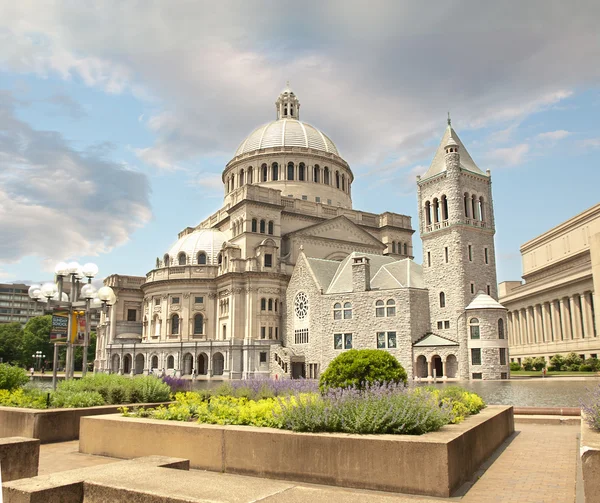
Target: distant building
<point>555,311</point>
<point>15,304</point>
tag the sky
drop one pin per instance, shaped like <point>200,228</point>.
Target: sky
<point>118,117</point>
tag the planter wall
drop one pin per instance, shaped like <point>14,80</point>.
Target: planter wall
<point>19,458</point>
<point>434,464</point>
<point>52,425</point>
<point>590,463</point>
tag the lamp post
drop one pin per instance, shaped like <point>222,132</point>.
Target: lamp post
<point>38,356</point>
<point>80,302</point>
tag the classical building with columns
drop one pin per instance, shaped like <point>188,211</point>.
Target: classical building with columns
<point>286,275</point>
<point>554,310</point>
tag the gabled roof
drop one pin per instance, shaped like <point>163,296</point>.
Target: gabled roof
<point>484,301</point>
<point>342,281</point>
<point>433,340</point>
<point>401,273</point>
<point>342,229</point>
<point>323,270</point>
<point>438,165</point>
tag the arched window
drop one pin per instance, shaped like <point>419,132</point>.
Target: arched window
<point>337,179</point>
<point>379,309</point>
<point>202,258</point>
<point>466,200</point>
<point>166,260</point>
<point>270,304</point>
<point>347,310</point>
<point>326,176</point>
<point>474,328</point>
<point>444,208</point>
<point>337,311</point>
<point>390,307</point>
<point>265,173</point>
<point>442,299</point>
<point>198,324</point>
<point>316,173</point>
<point>262,226</point>
<point>474,205</point>
<point>182,259</point>
<point>254,225</point>
<point>436,210</point>
<point>250,173</point>
<point>405,249</point>
<point>301,172</point>
<point>175,324</point>
<point>344,183</point>
<point>290,171</point>
<point>481,209</point>
<point>270,228</point>
<point>220,259</point>
<point>276,302</point>
<point>156,326</point>
<point>275,171</point>
<point>393,247</point>
<point>170,362</point>
<point>500,328</point>
<point>154,362</point>
<point>263,304</point>
<point>427,213</point>
<point>241,177</point>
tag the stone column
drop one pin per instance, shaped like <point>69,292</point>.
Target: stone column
<point>430,369</point>
<point>556,325</point>
<point>531,325</point>
<point>539,329</point>
<point>565,325</point>
<point>444,375</point>
<point>524,331</point>
<point>517,325</point>
<point>509,329</point>
<point>547,322</point>
<point>588,321</point>
<point>575,316</point>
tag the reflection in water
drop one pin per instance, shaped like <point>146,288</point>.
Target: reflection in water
<point>548,392</point>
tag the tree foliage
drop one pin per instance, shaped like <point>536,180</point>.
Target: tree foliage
<point>11,335</point>
<point>360,367</point>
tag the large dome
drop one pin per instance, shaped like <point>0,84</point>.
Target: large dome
<point>287,133</point>
<point>208,241</point>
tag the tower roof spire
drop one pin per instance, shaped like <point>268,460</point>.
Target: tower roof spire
<point>449,121</point>
<point>287,104</point>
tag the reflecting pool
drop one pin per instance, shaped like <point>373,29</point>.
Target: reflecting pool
<point>537,392</point>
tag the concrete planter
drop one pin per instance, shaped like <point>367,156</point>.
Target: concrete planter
<point>19,458</point>
<point>51,425</point>
<point>590,462</point>
<point>435,464</point>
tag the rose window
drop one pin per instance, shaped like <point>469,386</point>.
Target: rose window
<point>301,305</point>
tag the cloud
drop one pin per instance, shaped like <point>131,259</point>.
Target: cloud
<point>212,81</point>
<point>560,134</point>
<point>590,143</point>
<point>67,106</point>
<point>509,156</point>
<point>58,203</point>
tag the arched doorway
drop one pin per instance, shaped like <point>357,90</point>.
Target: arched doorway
<point>188,363</point>
<point>154,362</point>
<point>218,364</point>
<point>170,362</point>
<point>421,366</point>
<point>116,360</point>
<point>451,366</point>
<point>202,367</point>
<point>139,363</point>
<point>127,364</point>
<point>437,368</point>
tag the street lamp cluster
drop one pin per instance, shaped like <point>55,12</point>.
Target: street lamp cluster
<point>82,299</point>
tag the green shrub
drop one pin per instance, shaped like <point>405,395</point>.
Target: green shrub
<point>557,362</point>
<point>462,402</point>
<point>574,367</point>
<point>12,377</point>
<point>594,363</point>
<point>552,368</point>
<point>586,368</point>
<point>68,399</point>
<point>528,363</point>
<point>515,366</point>
<point>29,399</point>
<point>539,363</point>
<point>573,359</point>
<point>361,367</point>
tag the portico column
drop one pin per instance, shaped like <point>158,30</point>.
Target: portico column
<point>444,368</point>
<point>575,316</point>
<point>556,326</point>
<point>524,331</point>
<point>531,325</point>
<point>509,328</point>
<point>564,321</point>
<point>588,322</point>
<point>430,369</point>
<point>517,326</point>
<point>537,316</point>
<point>547,322</point>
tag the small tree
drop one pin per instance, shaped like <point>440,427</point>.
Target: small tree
<point>528,363</point>
<point>359,367</point>
<point>557,362</point>
<point>539,363</point>
<point>573,359</point>
<point>515,366</point>
<point>12,377</point>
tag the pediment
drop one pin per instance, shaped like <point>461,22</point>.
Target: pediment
<point>340,229</point>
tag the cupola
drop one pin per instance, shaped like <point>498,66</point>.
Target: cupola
<point>287,104</point>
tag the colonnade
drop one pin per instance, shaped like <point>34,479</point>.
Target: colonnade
<point>562,319</point>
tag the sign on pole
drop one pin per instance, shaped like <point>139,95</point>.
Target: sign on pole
<point>60,325</point>
<point>78,328</point>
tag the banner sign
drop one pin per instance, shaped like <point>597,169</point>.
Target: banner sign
<point>60,325</point>
<point>78,331</point>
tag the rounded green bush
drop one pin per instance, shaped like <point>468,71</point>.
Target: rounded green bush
<point>12,377</point>
<point>360,367</point>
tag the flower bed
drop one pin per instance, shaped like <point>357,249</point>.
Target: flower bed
<point>378,409</point>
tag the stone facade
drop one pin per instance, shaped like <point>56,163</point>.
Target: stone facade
<point>287,275</point>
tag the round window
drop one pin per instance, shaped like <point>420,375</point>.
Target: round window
<point>301,305</point>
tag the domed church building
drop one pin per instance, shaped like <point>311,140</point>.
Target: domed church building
<point>286,275</point>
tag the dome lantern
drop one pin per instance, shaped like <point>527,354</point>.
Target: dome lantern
<point>287,104</point>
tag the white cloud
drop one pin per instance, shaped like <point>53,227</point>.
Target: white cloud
<point>509,156</point>
<point>56,202</point>
<point>590,143</point>
<point>560,134</point>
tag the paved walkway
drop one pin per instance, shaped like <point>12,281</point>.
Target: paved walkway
<point>537,465</point>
